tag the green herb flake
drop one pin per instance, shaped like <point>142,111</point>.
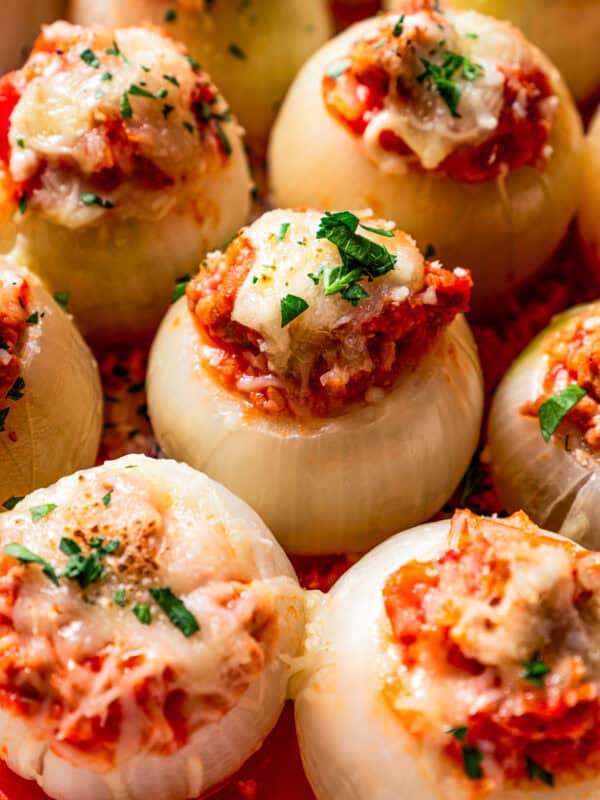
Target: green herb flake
<point>536,772</point>
<point>224,139</point>
<point>176,611</point>
<point>472,758</point>
<point>107,76</point>
<point>399,27</point>
<point>170,16</point>
<point>179,290</point>
<point>21,143</point>
<point>555,409</point>
<point>291,307</point>
<point>337,69</point>
<point>120,598</point>
<point>172,79</point>
<point>39,512</point>
<point>11,503</point>
<point>430,252</point>
<point>188,126</point>
<point>126,109</point>
<point>26,556</point>
<point>23,203</point>
<point>139,91</point>
<point>472,35</point>
<point>62,298</point>
<point>69,547</point>
<point>3,415</point>
<point>285,226</point>
<point>16,390</point>
<point>536,670</point>
<point>237,51</point>
<point>315,277</point>
<point>442,77</point>
<point>195,65</point>
<point>354,293</point>
<point>90,58</point>
<point>459,733</point>
<point>106,500</point>
<point>142,612</point>
<point>378,231</point>
<point>167,110</point>
<point>91,199</point>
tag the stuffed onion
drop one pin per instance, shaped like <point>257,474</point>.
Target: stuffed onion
<point>544,431</point>
<point>449,123</point>
<point>120,167</point>
<point>589,211</point>
<point>148,622</point>
<point>50,394</point>
<point>252,50</point>
<point>456,661</point>
<point>566,30</point>
<point>321,369</point>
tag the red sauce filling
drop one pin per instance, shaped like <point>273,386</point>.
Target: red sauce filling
<point>357,94</point>
<point>14,300</point>
<point>554,724</point>
<point>574,358</point>
<point>396,337</point>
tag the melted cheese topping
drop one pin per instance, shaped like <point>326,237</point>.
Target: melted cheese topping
<point>281,266</point>
<point>72,122</point>
<point>87,674</point>
<point>426,123</point>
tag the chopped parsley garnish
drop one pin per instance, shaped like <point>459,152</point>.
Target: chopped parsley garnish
<point>430,252</point>
<point>120,598</point>
<point>115,50</point>
<point>536,670</point>
<point>237,51</point>
<point>285,226</point>
<point>107,76</point>
<point>11,503</point>
<point>16,390</point>
<point>555,409</point>
<point>315,278</point>
<point>167,110</point>
<point>172,79</point>
<point>472,35</point>
<point>142,612</point>
<point>336,70</point>
<point>139,91</point>
<point>459,733</point>
<point>188,126</point>
<point>472,758</point>
<point>90,58</point>
<point>170,15</point>
<point>91,199</point>
<point>536,771</point>
<point>21,143</point>
<point>3,415</point>
<point>126,109</point>
<point>39,512</point>
<point>195,65</point>
<point>361,258</point>
<point>399,27</point>
<point>291,307</point>
<point>224,139</point>
<point>86,570</point>
<point>26,556</point>
<point>23,203</point>
<point>62,298</point>
<point>378,231</point>
<point>179,290</point>
<point>176,611</point>
<point>441,77</point>
<point>106,500</point>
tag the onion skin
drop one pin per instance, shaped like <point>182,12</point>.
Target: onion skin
<point>274,39</point>
<point>331,485</point>
<point>560,28</point>
<point>544,479</point>
<point>20,21</point>
<point>503,231</point>
<point>121,273</point>
<point>58,421</point>
<point>216,750</point>
<point>353,746</point>
<point>589,211</point>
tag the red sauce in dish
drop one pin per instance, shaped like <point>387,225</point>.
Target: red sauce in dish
<point>357,91</point>
<point>551,721</point>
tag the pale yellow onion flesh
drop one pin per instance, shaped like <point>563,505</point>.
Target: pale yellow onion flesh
<point>274,38</point>
<point>503,230</point>
<point>353,746</point>
<point>566,30</point>
<point>121,273</point>
<point>544,479</point>
<point>589,210</point>
<point>333,485</point>
<point>20,22</point>
<point>218,749</point>
<point>58,421</point>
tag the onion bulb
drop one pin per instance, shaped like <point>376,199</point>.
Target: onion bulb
<point>434,160</point>
<point>433,663</point>
<point>356,417</point>
<point>556,481</point>
<point>589,211</point>
<point>51,408</point>
<point>123,167</point>
<point>252,50</point>
<point>560,28</point>
<point>20,22</point>
<point>149,629</point>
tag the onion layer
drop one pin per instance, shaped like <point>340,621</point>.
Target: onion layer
<point>555,483</point>
<point>503,230</point>
<point>589,211</point>
<point>324,485</point>
<point>252,50</point>
<point>55,427</point>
